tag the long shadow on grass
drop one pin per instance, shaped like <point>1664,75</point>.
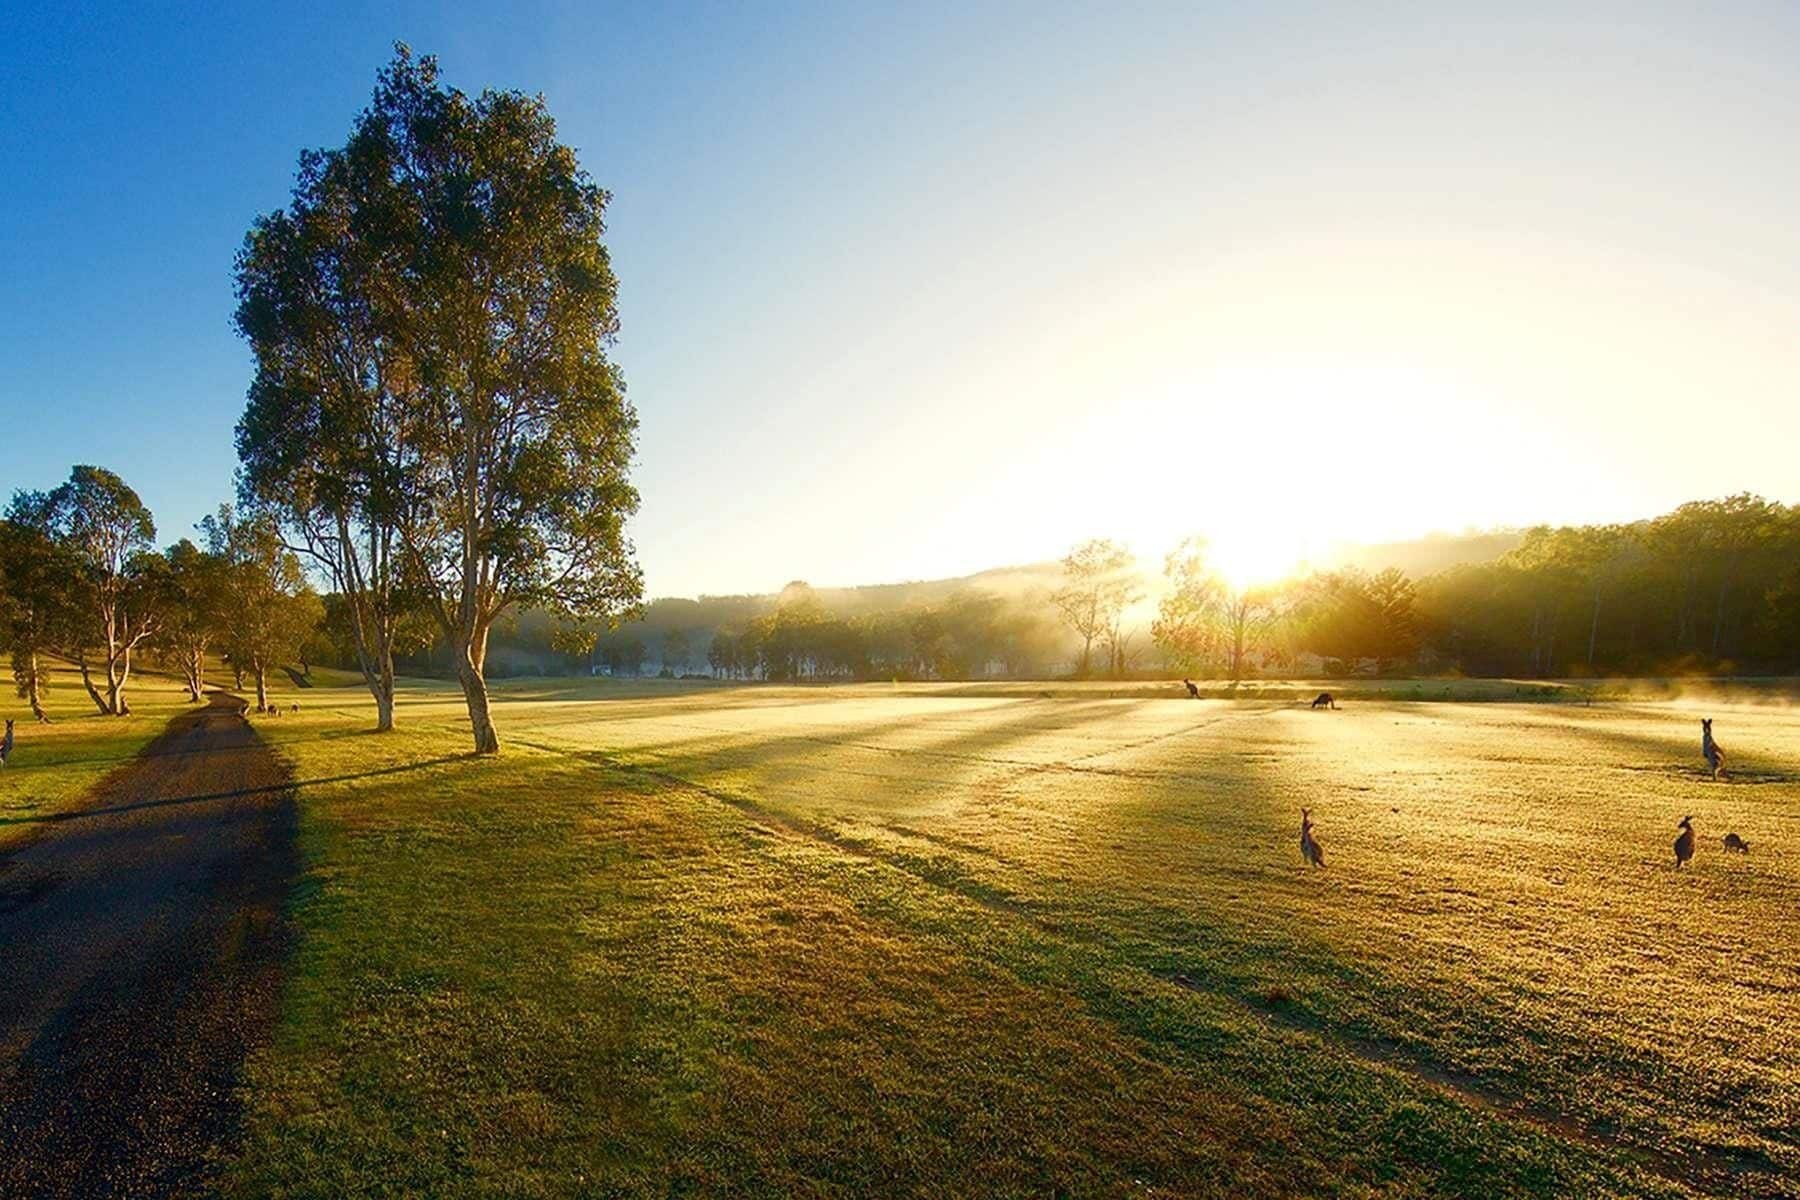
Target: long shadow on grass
<point>84,814</point>
<point>1051,947</point>
<point>1210,951</point>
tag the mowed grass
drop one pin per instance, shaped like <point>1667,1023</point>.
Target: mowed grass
<point>914,941</point>
<point>54,766</point>
<point>710,940</point>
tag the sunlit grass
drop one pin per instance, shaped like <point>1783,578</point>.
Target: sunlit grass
<point>53,766</point>
<point>796,941</point>
<point>799,941</point>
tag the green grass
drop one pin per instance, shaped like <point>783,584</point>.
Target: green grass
<point>916,940</point>
<point>53,766</point>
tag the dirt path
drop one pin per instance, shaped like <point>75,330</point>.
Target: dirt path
<point>141,945</point>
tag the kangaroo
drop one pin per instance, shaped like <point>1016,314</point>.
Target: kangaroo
<point>6,744</point>
<point>1193,691</point>
<point>244,709</point>
<point>1735,844</point>
<point>1684,845</point>
<point>1711,750</point>
<point>293,708</point>
<point>1325,700</point>
<point>1310,849</point>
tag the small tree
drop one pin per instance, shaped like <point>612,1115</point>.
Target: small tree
<point>37,600</point>
<point>1097,588</point>
<point>198,596</point>
<point>1189,615</point>
<point>117,584</point>
<point>677,650</point>
<point>270,609</point>
<point>1248,614</point>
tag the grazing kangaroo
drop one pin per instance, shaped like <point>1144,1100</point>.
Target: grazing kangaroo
<point>1325,700</point>
<point>6,744</point>
<point>1714,753</point>
<point>1684,845</point>
<point>1193,691</point>
<point>1310,849</point>
<point>1735,844</point>
<point>294,707</point>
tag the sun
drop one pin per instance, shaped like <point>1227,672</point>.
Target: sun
<point>1249,555</point>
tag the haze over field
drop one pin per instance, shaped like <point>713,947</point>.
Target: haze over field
<point>835,600</point>
<point>994,281</point>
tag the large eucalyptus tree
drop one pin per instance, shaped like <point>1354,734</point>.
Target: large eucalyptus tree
<point>436,305</point>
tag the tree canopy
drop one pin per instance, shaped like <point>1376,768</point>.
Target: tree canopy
<point>436,303</point>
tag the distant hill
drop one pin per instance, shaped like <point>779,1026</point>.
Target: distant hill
<point>1416,556</point>
<point>1430,554</point>
<point>523,645</point>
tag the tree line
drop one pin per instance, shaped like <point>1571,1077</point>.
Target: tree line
<point>969,634</point>
<point>1712,586</point>
<point>81,580</point>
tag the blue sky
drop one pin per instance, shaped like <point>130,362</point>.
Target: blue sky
<point>913,290</point>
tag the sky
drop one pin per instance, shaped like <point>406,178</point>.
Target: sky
<point>914,290</point>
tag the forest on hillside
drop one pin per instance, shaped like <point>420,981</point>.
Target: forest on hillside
<point>1712,587</point>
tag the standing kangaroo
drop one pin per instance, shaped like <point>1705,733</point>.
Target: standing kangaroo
<point>1684,845</point>
<point>6,745</point>
<point>1193,690</point>
<point>1310,849</point>
<point>1714,753</point>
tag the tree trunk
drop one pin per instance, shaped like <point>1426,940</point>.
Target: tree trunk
<point>383,688</point>
<point>193,665</point>
<point>474,686</point>
<point>118,674</point>
<point>1594,629</point>
<point>237,675</point>
<point>87,681</point>
<point>34,687</point>
<point>262,685</point>
<point>1719,615</point>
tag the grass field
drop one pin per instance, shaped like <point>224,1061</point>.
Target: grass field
<point>56,764</point>
<point>690,939</point>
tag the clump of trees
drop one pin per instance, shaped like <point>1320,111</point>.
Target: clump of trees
<point>967,634</point>
<point>85,581</point>
<point>1205,625</point>
<point>1100,585</point>
<point>1709,586</point>
<point>1714,585</point>
<point>434,414</point>
<point>82,581</point>
<point>269,608</point>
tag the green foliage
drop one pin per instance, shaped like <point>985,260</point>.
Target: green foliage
<point>113,590</point>
<point>1099,584</point>
<point>1190,616</point>
<point>439,293</point>
<point>969,634</point>
<point>269,607</point>
<point>39,604</point>
<point>200,601</point>
<point>1698,588</point>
